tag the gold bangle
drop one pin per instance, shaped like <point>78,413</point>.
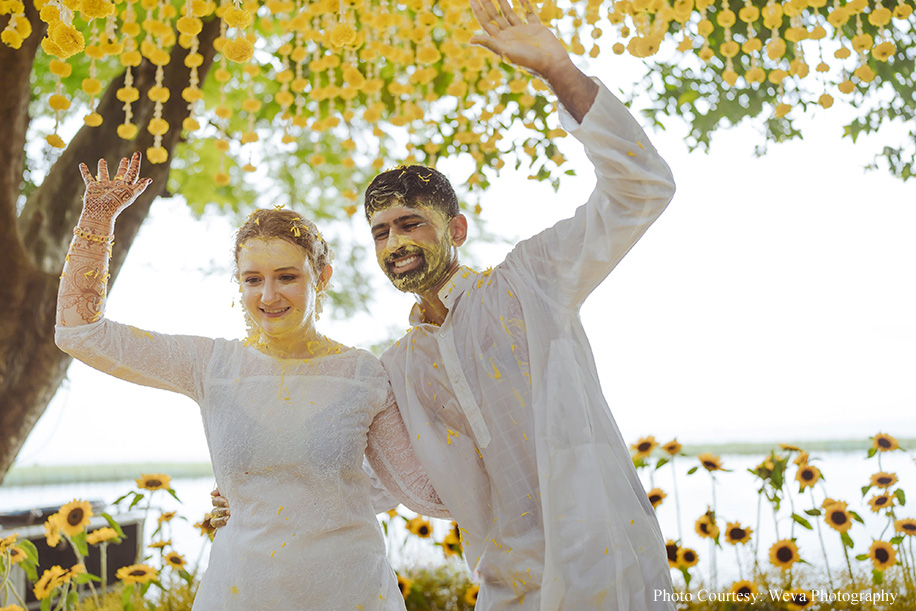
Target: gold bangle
<point>92,237</point>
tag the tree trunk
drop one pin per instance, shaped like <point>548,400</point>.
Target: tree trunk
<point>31,366</point>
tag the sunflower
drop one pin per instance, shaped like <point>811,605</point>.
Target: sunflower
<point>206,529</point>
<point>735,533</point>
<point>175,560</point>
<point>686,558</point>
<point>404,585</point>
<point>154,481</point>
<point>881,501</point>
<point>49,580</point>
<point>74,517</point>
<point>671,549</point>
<point>672,447</point>
<point>166,516</point>
<point>392,513</point>
<point>8,542</point>
<point>656,496</point>
<point>161,544</point>
<point>710,461</point>
<point>790,447</point>
<point>837,517</point>
<point>136,573</point>
<point>784,553</point>
<point>101,535</point>
<point>470,595</point>
<point>744,590</point>
<point>883,555</point>
<point>17,555</point>
<point>807,476</point>
<point>883,479</point>
<point>644,446</point>
<point>801,460</point>
<point>706,525</point>
<point>799,599</point>
<point>883,442</point>
<point>906,526</point>
<point>420,527</point>
<point>52,530</point>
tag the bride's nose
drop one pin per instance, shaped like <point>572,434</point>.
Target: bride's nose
<point>268,293</point>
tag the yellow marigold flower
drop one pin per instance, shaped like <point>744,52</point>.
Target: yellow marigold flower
<point>159,94</point>
<point>249,137</point>
<point>128,94</point>
<point>865,74</point>
<point>52,524</point>
<point>903,11</point>
<point>58,102</point>
<point>644,446</point>
<point>883,555</point>
<point>882,52</point>
<point>730,77</point>
<point>470,595</point>
<point>807,476</point>
<point>49,580</point>
<point>221,179</point>
<point>881,501</point>
<point>74,516</point>
<point>175,560</point>
<point>783,554</point>
<point>710,461</point>
<point>672,447</point>
<point>67,39</point>
<point>190,124</point>
<point>862,42</point>
<point>729,48</point>
<point>154,481</point>
<point>161,544</point>
<point>237,18</point>
<point>130,29</point>
<point>735,533</point>
<point>837,517</point>
<point>157,126</point>
<point>238,50</point>
<point>60,68</point>
<point>101,535</point>
<point>705,526</point>
<point>136,573</point>
<point>428,54</point>
<point>752,45</point>
<point>883,442</point>
<point>166,516</point>
<point>686,557</point>
<point>92,86</point>
<point>749,14</point>
<point>131,58</point>
<point>97,9</point>
<point>342,35</point>
<point>883,479</point>
<point>189,26</point>
<point>744,590</point>
<point>880,17</point>
<point>906,526</point>
<point>671,549</point>
<point>776,48</point>
<point>826,100</point>
<point>846,86</point>
<point>11,38</point>
<point>404,585</point>
<point>656,496</point>
<point>157,154</point>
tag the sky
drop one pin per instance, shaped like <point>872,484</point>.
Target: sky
<point>773,300</point>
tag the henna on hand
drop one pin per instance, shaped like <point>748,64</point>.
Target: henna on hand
<point>105,198</point>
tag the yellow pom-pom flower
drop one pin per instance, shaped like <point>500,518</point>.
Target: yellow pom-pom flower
<point>865,73</point>
<point>11,38</point>
<point>159,94</point>
<point>131,58</point>
<point>237,18</point>
<point>189,26</point>
<point>221,179</point>
<point>221,145</point>
<point>192,94</point>
<point>59,102</point>
<point>342,35</point>
<point>96,9</point>
<point>248,137</point>
<point>238,50</point>
<point>156,154</point>
<point>826,100</point>
<point>93,119</point>
<point>127,131</point>
<point>60,68</point>
<point>428,54</point>
<point>157,126</point>
<point>66,40</point>
<point>883,51</point>
<point>190,124</point>
<point>92,86</point>
<point>55,141</point>
<point>128,94</point>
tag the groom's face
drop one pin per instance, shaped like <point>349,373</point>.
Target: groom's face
<point>413,245</point>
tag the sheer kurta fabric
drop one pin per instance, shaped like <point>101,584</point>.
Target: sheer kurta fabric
<point>505,410</point>
<point>287,440</point>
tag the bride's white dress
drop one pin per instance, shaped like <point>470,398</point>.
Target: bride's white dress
<point>287,440</point>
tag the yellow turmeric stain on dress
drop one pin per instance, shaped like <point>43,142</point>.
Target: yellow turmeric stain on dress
<point>234,589</point>
<point>280,509</point>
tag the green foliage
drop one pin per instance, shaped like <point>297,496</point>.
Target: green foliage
<point>440,588</point>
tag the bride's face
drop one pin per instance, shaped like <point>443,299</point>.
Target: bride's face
<point>279,286</point>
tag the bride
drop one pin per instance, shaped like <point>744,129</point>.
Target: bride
<point>289,414</point>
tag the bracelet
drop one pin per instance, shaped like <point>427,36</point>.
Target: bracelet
<point>92,237</point>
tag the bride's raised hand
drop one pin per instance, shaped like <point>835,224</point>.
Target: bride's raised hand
<point>105,198</point>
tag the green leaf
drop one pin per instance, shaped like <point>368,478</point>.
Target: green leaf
<point>802,521</point>
<point>79,540</point>
<point>813,512</point>
<point>901,497</point>
<point>862,557</point>
<point>46,604</point>
<point>686,575</point>
<point>114,525</point>
<point>174,496</point>
<point>856,517</point>
<point>127,596</point>
<point>692,470</point>
<point>31,552</point>
<point>865,489</point>
<point>853,134</point>
<point>137,498</point>
<point>661,462</point>
<point>687,97</point>
<point>877,577</point>
<point>847,540</point>
<point>186,576</point>
<point>896,540</point>
<point>86,578</point>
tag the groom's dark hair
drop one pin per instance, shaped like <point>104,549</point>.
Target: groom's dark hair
<point>411,185</point>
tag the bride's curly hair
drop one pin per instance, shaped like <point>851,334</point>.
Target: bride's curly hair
<point>288,225</point>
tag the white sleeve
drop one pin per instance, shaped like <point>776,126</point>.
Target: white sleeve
<point>398,469</point>
<point>634,185</point>
<point>381,499</point>
<point>169,362</point>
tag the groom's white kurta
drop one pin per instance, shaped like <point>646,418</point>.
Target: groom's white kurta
<point>506,413</point>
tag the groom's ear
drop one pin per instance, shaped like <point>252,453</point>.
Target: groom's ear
<point>458,229</point>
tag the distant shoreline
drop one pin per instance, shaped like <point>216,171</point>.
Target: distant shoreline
<point>44,475</point>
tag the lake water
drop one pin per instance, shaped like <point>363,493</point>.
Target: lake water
<point>735,500</point>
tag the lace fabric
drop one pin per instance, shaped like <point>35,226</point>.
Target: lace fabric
<point>287,440</point>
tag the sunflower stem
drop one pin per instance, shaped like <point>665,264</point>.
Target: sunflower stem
<point>792,508</point>
<point>852,577</point>
<point>821,537</point>
<point>738,562</point>
<point>757,538</point>
<point>677,503</point>
<point>103,565</point>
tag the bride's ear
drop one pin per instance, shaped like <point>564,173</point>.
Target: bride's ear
<point>325,277</point>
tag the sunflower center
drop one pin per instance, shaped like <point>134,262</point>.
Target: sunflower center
<point>671,550</point>
<point>884,442</point>
<point>137,573</point>
<point>884,481</point>
<point>784,554</point>
<point>423,530</point>
<point>153,483</point>
<point>881,555</point>
<point>689,556</point>
<point>909,527</point>
<point>704,527</point>
<point>644,446</point>
<point>807,474</point>
<point>75,516</point>
<point>744,591</point>
<point>838,517</point>
<point>710,464</point>
<point>654,499</point>
<point>737,533</point>
<point>881,500</point>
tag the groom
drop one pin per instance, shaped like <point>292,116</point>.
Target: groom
<point>496,381</point>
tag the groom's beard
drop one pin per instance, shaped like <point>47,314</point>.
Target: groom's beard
<point>432,269</point>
